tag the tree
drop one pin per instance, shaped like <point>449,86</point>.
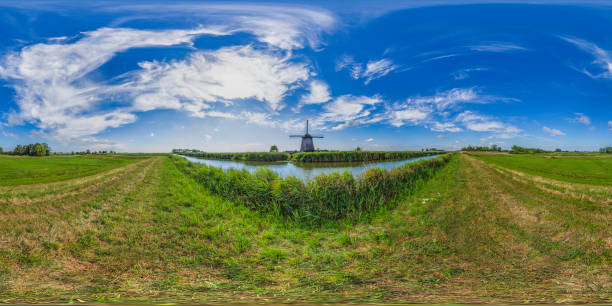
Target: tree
<point>273,148</point>
<point>557,150</point>
<point>358,149</point>
<point>1,150</point>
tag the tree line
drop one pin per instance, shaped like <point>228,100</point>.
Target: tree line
<point>493,148</point>
<point>33,149</point>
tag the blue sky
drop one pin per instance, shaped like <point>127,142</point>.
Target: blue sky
<point>240,76</point>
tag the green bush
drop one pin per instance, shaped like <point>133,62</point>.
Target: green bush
<point>248,156</point>
<point>325,197</point>
<point>357,156</point>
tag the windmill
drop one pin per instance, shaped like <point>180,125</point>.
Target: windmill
<point>307,145</point>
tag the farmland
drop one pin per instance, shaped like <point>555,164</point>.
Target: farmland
<point>584,169</point>
<point>479,229</point>
<point>24,170</point>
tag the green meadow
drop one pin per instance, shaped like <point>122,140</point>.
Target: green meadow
<point>18,170</point>
<point>144,229</point>
<point>595,169</point>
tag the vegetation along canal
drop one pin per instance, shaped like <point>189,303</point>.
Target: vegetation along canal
<point>304,171</point>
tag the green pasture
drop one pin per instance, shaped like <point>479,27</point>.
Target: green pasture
<point>583,169</point>
<point>19,170</point>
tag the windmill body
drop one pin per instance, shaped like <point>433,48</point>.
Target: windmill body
<point>307,143</point>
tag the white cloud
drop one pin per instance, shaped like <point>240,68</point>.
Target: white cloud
<point>349,110</point>
<point>581,118</point>
<point>54,93</point>
<point>480,123</point>
<point>603,58</point>
<point>220,115</point>
<point>552,132</point>
<point>280,26</point>
<point>152,134</point>
<point>216,76</point>
<point>8,134</point>
<point>263,119</point>
<point>497,47</point>
<point>444,127</point>
<point>372,70</point>
<point>377,69</point>
<point>319,93</point>
<point>423,110</point>
<point>465,73</point>
<point>369,139</point>
<point>207,138</point>
<point>610,124</point>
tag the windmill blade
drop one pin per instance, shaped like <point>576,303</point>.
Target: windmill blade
<point>317,136</point>
<point>296,135</point>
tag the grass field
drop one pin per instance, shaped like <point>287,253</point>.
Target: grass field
<point>17,170</point>
<point>145,231</point>
<point>590,169</point>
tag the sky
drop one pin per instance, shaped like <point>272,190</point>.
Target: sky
<point>150,76</point>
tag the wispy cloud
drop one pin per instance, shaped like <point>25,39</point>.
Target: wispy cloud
<point>482,123</point>
<point>465,73</point>
<point>55,93</point>
<point>373,69</point>
<point>497,47</point>
<point>370,140</point>
<point>348,110</point>
<point>223,75</point>
<point>603,58</point>
<point>282,26</point>
<point>581,118</point>
<point>8,134</point>
<point>552,132</point>
<point>433,112</point>
<point>610,124</point>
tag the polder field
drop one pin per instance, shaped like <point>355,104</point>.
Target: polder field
<point>458,228</point>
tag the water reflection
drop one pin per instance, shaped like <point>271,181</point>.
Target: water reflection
<point>303,171</point>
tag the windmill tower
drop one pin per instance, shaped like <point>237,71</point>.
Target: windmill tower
<point>307,144</point>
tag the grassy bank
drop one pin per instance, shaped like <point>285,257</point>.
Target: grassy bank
<point>248,156</point>
<point>324,197</point>
<point>357,156</point>
<point>587,169</point>
<point>147,232</point>
<point>17,170</point>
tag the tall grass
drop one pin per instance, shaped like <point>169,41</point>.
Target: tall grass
<point>248,156</point>
<point>357,156</point>
<point>325,197</point>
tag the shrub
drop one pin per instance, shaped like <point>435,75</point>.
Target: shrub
<point>325,197</point>
<point>357,156</point>
<point>248,156</point>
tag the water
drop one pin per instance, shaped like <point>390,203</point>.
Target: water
<point>303,171</point>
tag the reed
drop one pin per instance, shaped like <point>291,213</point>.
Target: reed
<point>325,197</point>
<point>358,156</point>
<point>247,156</point>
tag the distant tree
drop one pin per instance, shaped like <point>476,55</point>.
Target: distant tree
<point>606,150</point>
<point>1,151</point>
<point>557,150</point>
<point>88,151</point>
<point>358,149</point>
<point>520,150</point>
<point>273,148</point>
<point>33,149</point>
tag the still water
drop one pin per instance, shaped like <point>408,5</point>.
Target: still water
<point>303,171</point>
